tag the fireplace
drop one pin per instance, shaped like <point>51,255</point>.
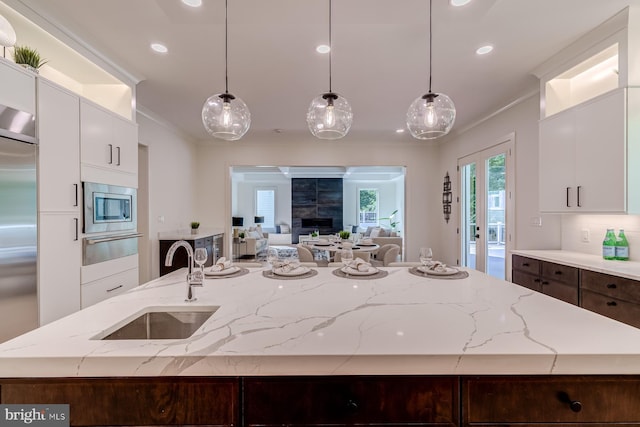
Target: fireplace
<point>316,204</point>
<point>317,223</point>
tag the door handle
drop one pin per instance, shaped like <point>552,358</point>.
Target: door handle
<point>477,236</point>
<point>76,194</point>
<point>110,154</point>
<point>76,224</point>
<point>118,164</point>
<point>578,197</point>
<point>568,205</point>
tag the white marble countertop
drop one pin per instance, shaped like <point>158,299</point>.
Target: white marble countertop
<point>326,325</point>
<point>628,269</point>
<point>185,234</point>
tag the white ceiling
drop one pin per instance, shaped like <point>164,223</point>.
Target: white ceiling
<point>380,53</point>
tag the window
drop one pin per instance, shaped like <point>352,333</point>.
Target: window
<point>368,207</point>
<point>266,206</point>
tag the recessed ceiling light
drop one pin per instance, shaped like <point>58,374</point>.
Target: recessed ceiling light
<point>160,48</point>
<point>323,48</point>
<point>484,49</point>
<point>459,2</point>
<point>399,130</point>
<point>193,3</point>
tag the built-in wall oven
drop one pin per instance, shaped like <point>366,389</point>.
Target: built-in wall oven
<point>110,224</point>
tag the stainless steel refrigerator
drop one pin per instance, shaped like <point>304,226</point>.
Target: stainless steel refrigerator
<point>18,225</point>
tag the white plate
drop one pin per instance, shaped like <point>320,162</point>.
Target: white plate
<point>298,271</point>
<point>225,272</point>
<point>449,271</point>
<point>354,272</point>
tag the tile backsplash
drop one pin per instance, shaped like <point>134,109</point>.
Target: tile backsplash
<point>574,226</point>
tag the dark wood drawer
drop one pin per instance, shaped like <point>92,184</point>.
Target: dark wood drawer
<point>511,400</point>
<point>613,286</point>
<point>133,401</point>
<point>625,312</point>
<point>527,280</point>
<point>561,273</point>
<point>351,400</point>
<point>525,264</point>
<point>561,291</point>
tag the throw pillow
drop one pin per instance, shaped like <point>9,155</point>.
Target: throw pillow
<point>383,232</point>
<point>278,229</point>
<point>285,229</point>
<point>368,232</point>
<point>375,232</point>
<point>255,235</point>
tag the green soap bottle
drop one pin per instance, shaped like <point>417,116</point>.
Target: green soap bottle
<point>609,245</point>
<point>622,247</point>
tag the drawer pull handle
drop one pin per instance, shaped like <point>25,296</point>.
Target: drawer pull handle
<point>525,264</point>
<point>545,282</point>
<point>558,272</point>
<point>612,303</point>
<point>611,286</point>
<point>352,406</point>
<point>536,280</point>
<point>574,405</point>
<point>113,289</point>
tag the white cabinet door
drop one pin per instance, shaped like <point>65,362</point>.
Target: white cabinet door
<point>601,154</point>
<point>126,145</point>
<point>17,87</point>
<point>557,163</point>
<point>107,141</point>
<point>59,259</point>
<point>59,149</point>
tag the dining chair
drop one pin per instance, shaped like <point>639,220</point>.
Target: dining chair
<point>304,254</point>
<point>386,254</point>
<point>366,256</point>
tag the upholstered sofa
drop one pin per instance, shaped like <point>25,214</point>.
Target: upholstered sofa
<point>382,236</point>
<point>254,243</point>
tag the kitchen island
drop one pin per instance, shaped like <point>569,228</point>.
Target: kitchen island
<point>415,342</point>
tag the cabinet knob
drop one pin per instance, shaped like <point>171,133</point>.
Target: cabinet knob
<point>352,406</point>
<point>574,405</point>
<point>612,303</point>
<point>525,264</point>
<point>611,286</point>
<point>544,282</point>
<point>558,272</point>
<point>536,280</point>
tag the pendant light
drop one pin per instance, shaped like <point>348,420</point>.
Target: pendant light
<point>329,115</point>
<point>432,115</point>
<point>224,115</point>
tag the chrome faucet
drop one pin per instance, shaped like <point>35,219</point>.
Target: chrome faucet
<point>193,278</point>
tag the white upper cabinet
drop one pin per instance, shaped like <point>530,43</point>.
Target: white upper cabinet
<point>18,87</point>
<point>59,149</point>
<point>108,143</point>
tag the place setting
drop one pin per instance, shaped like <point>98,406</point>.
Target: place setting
<point>357,268</point>
<point>435,269</point>
<point>287,269</point>
<point>223,268</point>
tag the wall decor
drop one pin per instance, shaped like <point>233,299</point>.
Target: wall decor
<point>447,198</point>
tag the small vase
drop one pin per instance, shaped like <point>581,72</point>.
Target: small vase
<point>194,231</point>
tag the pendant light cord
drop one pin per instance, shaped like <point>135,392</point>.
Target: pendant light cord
<point>430,43</point>
<point>226,47</point>
<point>330,46</point>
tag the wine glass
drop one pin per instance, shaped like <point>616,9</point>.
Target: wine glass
<point>200,257</point>
<point>272,256</point>
<point>426,256</point>
<point>347,256</point>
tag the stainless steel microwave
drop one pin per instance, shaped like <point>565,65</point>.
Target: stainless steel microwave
<point>109,208</point>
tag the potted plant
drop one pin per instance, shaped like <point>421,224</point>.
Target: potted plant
<point>314,234</point>
<point>241,236</point>
<point>194,227</point>
<point>344,235</point>
<point>393,223</point>
<point>28,57</point>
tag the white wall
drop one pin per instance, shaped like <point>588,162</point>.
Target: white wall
<point>596,226</point>
<point>388,199</point>
<point>244,200</point>
<point>215,157</point>
<point>521,119</point>
<point>172,177</point>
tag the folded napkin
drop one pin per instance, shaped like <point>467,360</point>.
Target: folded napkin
<point>359,264</point>
<point>438,267</point>
<point>323,241</point>
<point>286,265</point>
<point>366,242</point>
<point>221,264</point>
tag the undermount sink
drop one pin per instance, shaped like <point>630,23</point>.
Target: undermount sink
<point>160,323</point>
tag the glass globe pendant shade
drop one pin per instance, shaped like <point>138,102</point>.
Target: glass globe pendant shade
<point>431,116</point>
<point>226,117</point>
<point>329,116</point>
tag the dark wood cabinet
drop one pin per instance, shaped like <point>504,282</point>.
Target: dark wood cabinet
<point>556,280</point>
<point>213,243</point>
<point>134,401</point>
<point>611,296</point>
<point>390,400</point>
<point>556,400</point>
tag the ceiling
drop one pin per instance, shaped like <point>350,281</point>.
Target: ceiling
<point>349,173</point>
<point>380,53</point>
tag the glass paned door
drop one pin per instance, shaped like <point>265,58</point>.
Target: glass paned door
<point>485,203</point>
